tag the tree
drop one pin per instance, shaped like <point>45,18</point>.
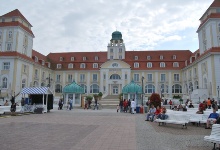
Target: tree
<point>155,99</point>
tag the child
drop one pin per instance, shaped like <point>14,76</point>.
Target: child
<point>117,108</point>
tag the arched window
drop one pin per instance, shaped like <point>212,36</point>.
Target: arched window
<point>205,83</point>
<point>196,84</point>
<point>58,88</point>
<point>176,88</point>
<point>174,56</point>
<point>5,83</point>
<point>149,65</point>
<point>36,84</point>
<point>175,64</point>
<point>94,88</point>
<point>115,77</point>
<point>84,88</point>
<point>191,86</point>
<point>23,83</point>
<point>136,65</point>
<point>149,88</point>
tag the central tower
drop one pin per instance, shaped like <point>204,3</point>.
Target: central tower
<point>116,47</point>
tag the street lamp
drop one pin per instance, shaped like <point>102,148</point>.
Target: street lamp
<point>142,79</point>
<point>49,80</point>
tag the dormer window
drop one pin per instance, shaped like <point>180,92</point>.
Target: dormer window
<point>148,57</point>
<point>161,57</point>
<point>59,66</point>
<point>175,64</point>
<point>149,65</point>
<point>36,59</point>
<point>162,65</point>
<point>84,58</point>
<point>70,65</point>
<point>174,56</point>
<point>136,65</point>
<point>95,65</point>
<point>43,62</point>
<point>96,58</point>
<point>61,58</point>
<point>72,58</point>
<point>135,57</point>
<point>82,65</point>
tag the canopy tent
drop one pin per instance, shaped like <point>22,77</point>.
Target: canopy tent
<point>38,95</point>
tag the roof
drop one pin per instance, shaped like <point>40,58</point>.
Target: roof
<point>73,88</point>
<point>215,3</point>
<point>14,53</point>
<point>132,87</point>
<point>211,16</point>
<point>36,90</point>
<point>116,35</point>
<point>16,13</point>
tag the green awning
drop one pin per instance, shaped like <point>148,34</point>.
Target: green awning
<point>132,88</point>
<point>73,88</point>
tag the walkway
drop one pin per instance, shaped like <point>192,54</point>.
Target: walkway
<point>96,130</point>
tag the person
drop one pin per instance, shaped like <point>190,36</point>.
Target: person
<point>71,103</point>
<point>151,113</point>
<point>86,105</point>
<point>6,103</point>
<point>215,106</point>
<point>171,103</point>
<point>200,111</point>
<point>89,104</point>
<point>180,108</point>
<point>209,103</point>
<point>157,112</point>
<point>60,104</point>
<point>96,104</point>
<point>121,105</point>
<point>117,108</point>
<point>133,104</point>
<point>68,103</point>
<point>13,109</point>
<point>129,106</point>
<point>191,105</point>
<point>125,105</point>
<point>163,114</point>
<point>212,119</point>
<point>185,107</point>
<point>22,105</point>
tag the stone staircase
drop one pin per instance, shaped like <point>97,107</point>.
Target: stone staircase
<point>110,102</point>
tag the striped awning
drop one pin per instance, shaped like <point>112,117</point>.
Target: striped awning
<point>36,90</point>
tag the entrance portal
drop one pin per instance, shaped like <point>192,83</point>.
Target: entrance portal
<point>115,90</point>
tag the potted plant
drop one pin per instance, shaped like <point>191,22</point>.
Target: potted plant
<point>96,96</point>
<point>181,101</point>
<point>100,95</point>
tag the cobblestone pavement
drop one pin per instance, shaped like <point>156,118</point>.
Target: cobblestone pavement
<point>105,129</point>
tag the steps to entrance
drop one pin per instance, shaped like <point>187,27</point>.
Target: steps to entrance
<point>110,101</point>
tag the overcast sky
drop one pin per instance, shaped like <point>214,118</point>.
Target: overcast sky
<point>87,25</point>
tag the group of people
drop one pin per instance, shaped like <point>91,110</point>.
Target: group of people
<point>156,113</point>
<point>69,104</point>
<point>126,106</point>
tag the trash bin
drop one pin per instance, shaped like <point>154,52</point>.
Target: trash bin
<point>138,109</point>
<point>141,109</point>
<point>145,109</point>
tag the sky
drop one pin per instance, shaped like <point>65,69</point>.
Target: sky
<point>87,25</point>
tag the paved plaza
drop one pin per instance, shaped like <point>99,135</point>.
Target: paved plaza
<point>105,129</point>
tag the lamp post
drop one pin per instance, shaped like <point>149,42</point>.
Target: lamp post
<point>49,80</point>
<point>218,94</point>
<point>142,79</point>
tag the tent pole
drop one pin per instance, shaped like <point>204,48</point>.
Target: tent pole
<point>43,102</point>
<point>46,102</point>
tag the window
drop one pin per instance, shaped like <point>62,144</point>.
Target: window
<point>111,57</point>
<point>82,77</point>
<point>70,65</point>
<point>70,78</point>
<point>148,57</point>
<point>13,19</point>
<point>36,59</point>
<point>58,78</point>
<point>10,34</point>
<point>120,57</point>
<point>114,65</point>
<point>59,66</point>
<point>36,73</point>
<point>176,88</point>
<point>126,76</point>
<point>136,77</point>
<point>6,65</point>
<point>162,77</point>
<point>72,58</point>
<point>162,65</point>
<point>196,84</point>
<point>95,65</point>
<point>25,69</point>
<point>0,35</point>
<point>174,56</point>
<point>84,58</point>
<point>149,65</point>
<point>111,50</point>
<point>61,58</point>
<point>84,88</point>
<point>43,75</point>
<point>120,50</point>
<point>3,19</point>
<point>149,88</point>
<point>115,77</point>
<point>175,64</point>
<point>104,88</point>
<point>149,77</point>
<point>219,27</point>
<point>176,77</point>
<point>136,65</point>
<point>94,77</point>
<point>58,88</point>
<point>82,65</point>
<point>104,76</point>
<point>195,72</point>
<point>23,83</point>
<point>190,74</point>
<point>48,64</point>
<point>0,47</point>
<point>94,88</point>
<point>43,62</point>
<point>4,83</point>
<point>9,46</point>
<point>96,58</point>
<point>161,57</point>
<point>135,57</point>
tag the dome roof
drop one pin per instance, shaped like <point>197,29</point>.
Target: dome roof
<point>132,88</point>
<point>116,35</point>
<point>73,88</point>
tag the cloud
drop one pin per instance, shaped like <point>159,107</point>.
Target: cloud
<point>72,25</point>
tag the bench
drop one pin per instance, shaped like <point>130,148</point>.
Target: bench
<point>215,135</point>
<point>181,119</point>
<point>2,111</point>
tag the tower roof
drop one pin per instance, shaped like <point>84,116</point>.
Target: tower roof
<point>116,35</point>
<point>216,3</point>
<point>73,88</point>
<point>16,13</point>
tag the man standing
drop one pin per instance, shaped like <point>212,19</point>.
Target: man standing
<point>71,103</point>
<point>133,105</point>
